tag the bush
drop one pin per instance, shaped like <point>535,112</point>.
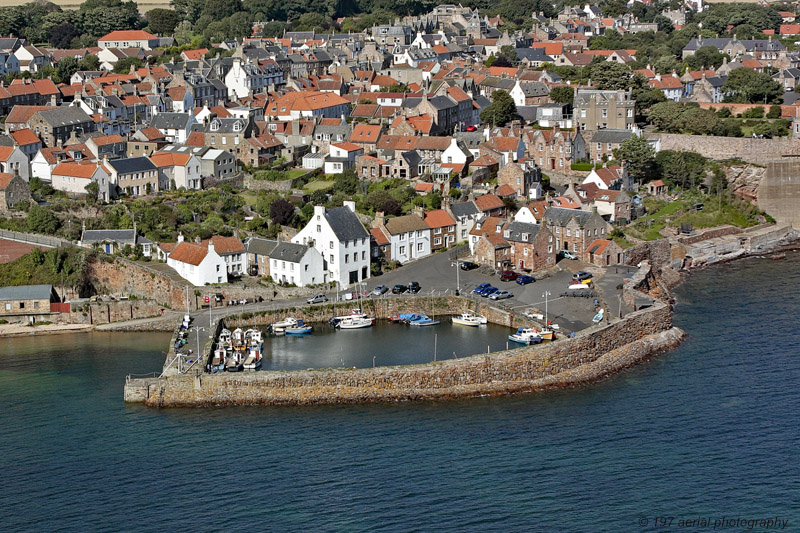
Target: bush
<point>584,167</point>
<point>270,175</point>
<point>774,112</point>
<point>755,112</point>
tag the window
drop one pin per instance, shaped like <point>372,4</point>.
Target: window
<point>577,233</point>
<point>346,258</point>
<point>605,113</point>
<point>8,307</point>
<point>525,252</point>
<point>306,268</point>
<point>550,249</point>
<point>419,246</point>
<point>331,259</point>
<point>330,245</point>
<point>568,232</point>
<point>630,113</point>
<point>437,231</point>
<point>437,241</point>
<point>558,230</point>
<point>363,255</point>
<point>574,246</point>
<point>217,268</point>
<point>22,305</point>
<point>402,250</point>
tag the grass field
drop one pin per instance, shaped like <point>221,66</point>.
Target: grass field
<point>144,5</point>
<point>317,185</point>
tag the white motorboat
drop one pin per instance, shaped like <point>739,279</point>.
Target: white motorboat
<point>280,327</point>
<point>218,360</point>
<point>467,319</point>
<point>354,322</point>
<point>238,337</point>
<point>526,336</point>
<point>225,339</point>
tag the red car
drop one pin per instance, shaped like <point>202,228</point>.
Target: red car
<point>508,275</point>
<point>471,128</point>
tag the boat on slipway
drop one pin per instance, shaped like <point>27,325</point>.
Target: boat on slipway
<point>526,336</point>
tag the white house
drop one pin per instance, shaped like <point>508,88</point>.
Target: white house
<point>409,236</point>
<point>179,167</point>
<point>297,264</point>
<point>456,153</point>
<point>612,177</point>
<point>174,126</point>
<point>12,159</point>
<point>232,252</point>
<point>246,79</point>
<point>342,157</point>
<point>73,177</point>
<point>525,215</point>
<point>197,264</point>
<point>341,239</point>
<point>129,39</point>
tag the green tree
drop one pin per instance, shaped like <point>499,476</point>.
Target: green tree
<point>706,57</point>
<point>639,155</point>
<point>665,116</point>
<point>501,111</point>
<point>748,86</point>
<point>562,95</point>
<point>61,35</point>
<point>123,66</point>
<point>92,192</point>
<point>42,220</point>
<point>281,212</point>
<point>65,69</point>
<point>90,62</point>
<point>346,182</point>
<point>610,75</point>
<point>162,21</point>
<point>774,112</point>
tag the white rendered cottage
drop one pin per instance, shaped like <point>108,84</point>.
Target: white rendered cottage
<point>197,264</point>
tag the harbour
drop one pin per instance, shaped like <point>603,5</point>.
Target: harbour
<point>504,460</point>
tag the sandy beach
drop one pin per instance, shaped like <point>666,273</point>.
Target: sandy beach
<point>13,330</point>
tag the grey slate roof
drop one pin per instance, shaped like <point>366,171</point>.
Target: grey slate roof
<point>522,231</point>
<point>64,116</point>
<point>170,121</point>
<point>131,164</point>
<point>611,136</point>
<point>289,251</point>
<point>560,216</point>
<point>257,245</point>
<point>534,88</point>
<point>464,209</point>
<point>345,224</point>
<point>26,292</point>
<point>115,235</point>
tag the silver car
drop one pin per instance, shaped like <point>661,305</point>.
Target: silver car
<point>379,290</point>
<point>501,295</point>
<point>317,299</point>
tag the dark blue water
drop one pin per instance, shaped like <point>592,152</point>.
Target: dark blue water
<point>708,430</point>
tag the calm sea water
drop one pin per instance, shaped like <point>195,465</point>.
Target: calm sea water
<point>708,430</point>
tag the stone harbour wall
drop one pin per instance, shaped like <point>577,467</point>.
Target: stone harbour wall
<point>125,277</point>
<point>590,355</point>
<point>108,312</point>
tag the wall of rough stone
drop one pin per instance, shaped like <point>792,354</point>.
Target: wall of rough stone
<point>712,233</point>
<point>125,277</point>
<point>759,151</point>
<point>521,369</point>
<point>779,192</point>
<point>265,185</point>
<point>656,252</point>
<point>108,312</point>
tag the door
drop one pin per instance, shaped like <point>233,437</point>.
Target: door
<point>108,248</point>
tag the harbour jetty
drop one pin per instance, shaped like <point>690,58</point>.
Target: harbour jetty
<point>587,356</point>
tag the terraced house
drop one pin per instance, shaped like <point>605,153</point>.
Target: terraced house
<point>135,176</point>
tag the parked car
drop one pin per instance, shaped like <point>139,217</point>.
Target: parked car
<point>469,265</point>
<point>580,276</point>
<point>566,254</point>
<point>524,280</point>
<point>480,287</point>
<point>488,291</point>
<point>317,299</point>
<point>379,290</point>
<point>472,127</point>
<point>508,275</point>
<point>399,289</point>
<point>501,295</point>
<point>414,287</point>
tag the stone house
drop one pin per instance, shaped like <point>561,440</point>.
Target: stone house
<point>615,206</point>
<point>13,190</point>
<point>485,225</point>
<point>532,246</point>
<point>27,299</point>
<point>490,205</point>
<point>180,169</point>
<point>574,229</point>
<point>258,254</point>
<point>54,125</point>
<point>370,167</point>
<point>604,252</point>
<point>114,240</point>
<point>556,149</point>
<point>603,109</point>
<point>603,143</point>
<point>523,178</point>
<point>409,236</point>
<point>135,176</point>
<point>443,229</point>
<point>492,250</point>
<point>380,245</point>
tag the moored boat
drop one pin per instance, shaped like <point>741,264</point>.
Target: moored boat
<point>234,362</point>
<point>218,360</point>
<point>526,336</point>
<point>253,359</point>
<point>355,322</point>
<point>467,319</point>
<point>280,327</point>
<point>301,328</point>
<point>547,333</point>
<point>423,320</point>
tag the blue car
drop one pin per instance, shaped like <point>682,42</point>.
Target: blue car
<point>488,291</point>
<point>480,287</point>
<point>524,280</point>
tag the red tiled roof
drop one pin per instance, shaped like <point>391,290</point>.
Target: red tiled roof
<point>487,202</point>
<point>5,179</point>
<point>189,253</point>
<point>365,133</point>
<point>127,35</point>
<point>505,190</point>
<point>379,236</point>
<point>76,169</point>
<point>25,136</point>
<point>226,245</point>
<point>438,218</point>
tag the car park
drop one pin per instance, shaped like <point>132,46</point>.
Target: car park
<point>508,275</point>
<point>524,280</point>
<point>468,265</point>
<point>317,299</point>
<point>399,289</point>
<point>480,287</point>
<point>379,290</point>
<point>501,295</point>
<point>414,287</point>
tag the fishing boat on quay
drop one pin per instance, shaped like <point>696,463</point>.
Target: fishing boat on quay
<point>526,336</point>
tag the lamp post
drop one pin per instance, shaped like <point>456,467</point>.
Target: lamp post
<point>545,295</point>
<point>458,277</point>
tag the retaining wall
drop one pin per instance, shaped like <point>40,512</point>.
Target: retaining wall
<point>759,151</point>
<point>120,276</point>
<point>108,312</point>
